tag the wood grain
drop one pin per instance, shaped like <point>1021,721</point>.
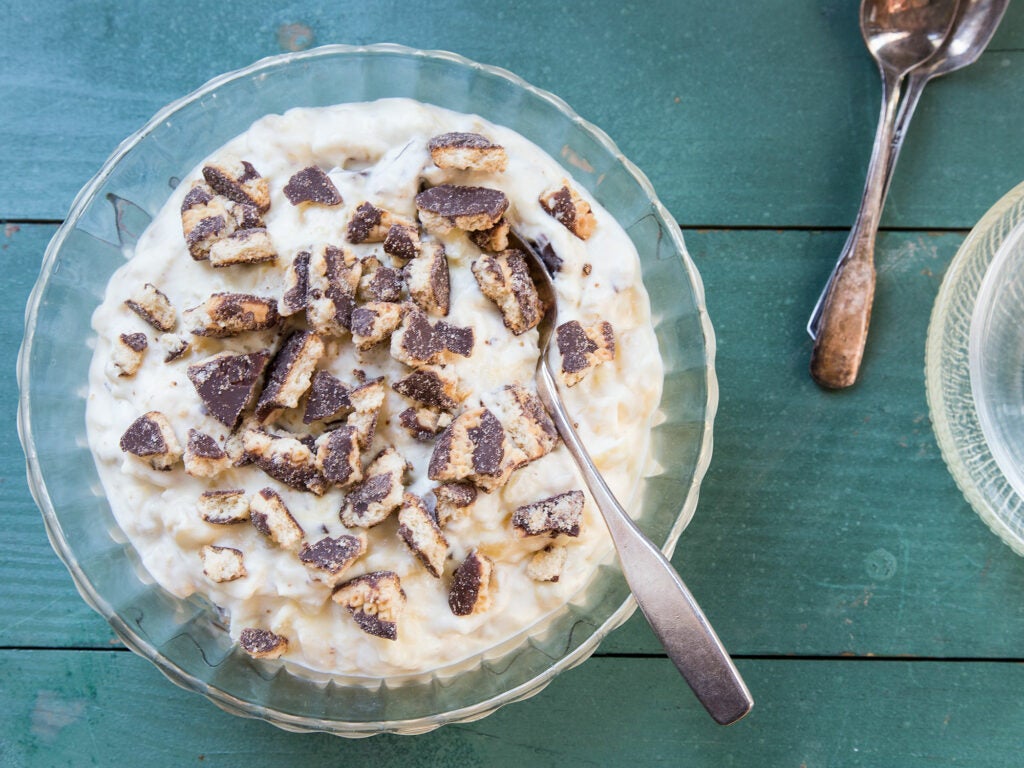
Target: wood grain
<point>827,525</point>
<point>77,709</point>
<point>879,623</point>
<point>742,114</point>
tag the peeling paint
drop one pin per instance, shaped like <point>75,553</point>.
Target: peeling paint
<point>295,37</point>
<point>880,565</point>
<point>51,714</point>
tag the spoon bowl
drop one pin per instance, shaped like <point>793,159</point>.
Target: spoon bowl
<point>901,34</point>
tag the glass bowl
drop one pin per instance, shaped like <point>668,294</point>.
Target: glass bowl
<point>185,638</point>
<point>974,368</point>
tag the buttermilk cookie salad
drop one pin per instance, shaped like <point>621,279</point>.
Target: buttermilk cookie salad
<point>312,401</point>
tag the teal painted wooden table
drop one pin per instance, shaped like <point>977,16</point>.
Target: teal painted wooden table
<point>875,618</point>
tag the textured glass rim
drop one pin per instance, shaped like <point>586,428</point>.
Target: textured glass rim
<point>143,648</point>
<point>988,494</point>
<point>980,317</point>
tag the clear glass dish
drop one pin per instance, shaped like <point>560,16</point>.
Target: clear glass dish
<point>974,368</point>
<point>185,638</point>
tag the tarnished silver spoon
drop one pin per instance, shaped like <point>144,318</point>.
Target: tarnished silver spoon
<point>976,21</point>
<point>901,35</point>
<point>670,609</point>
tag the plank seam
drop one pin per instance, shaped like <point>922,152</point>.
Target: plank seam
<point>638,656</point>
<point>32,222</point>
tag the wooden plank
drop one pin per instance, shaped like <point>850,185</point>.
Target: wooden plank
<point>107,708</point>
<point>828,523</point>
<point>37,596</point>
<point>742,114</point>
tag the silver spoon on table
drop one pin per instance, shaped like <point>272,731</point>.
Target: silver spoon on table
<point>901,35</point>
<point>670,609</point>
<point>976,21</point>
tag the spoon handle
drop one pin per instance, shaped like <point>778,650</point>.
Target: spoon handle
<point>915,83</point>
<point>667,604</point>
<point>846,313</point>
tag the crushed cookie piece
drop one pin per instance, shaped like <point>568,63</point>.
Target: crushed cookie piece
<point>333,280</point>
<point>494,239</point>
<point>380,283</point>
<point>328,399</point>
<point>423,424</point>
<point>418,528</point>
<point>477,448</point>
<point>247,216</point>
<point>312,186</point>
<point>227,507</point>
<point>375,600</point>
<point>296,285</point>
<point>370,224</point>
<point>560,514</point>
<point>151,438</point>
<point>153,306</point>
<point>454,339</point>
<point>203,456</point>
<point>429,281</point>
<point>128,353</point>
<point>366,224</point>
<point>234,444</point>
<point>583,348</point>
<point>286,459</point>
<point>337,456</point>
<point>431,385</point>
<point>237,180</point>
<point>374,322</point>
<point>332,557</point>
<point>525,419</point>
<point>454,500</point>
<point>243,246</point>
<point>367,399</point>
<point>270,516</point>
<point>175,347</point>
<point>504,278</point>
<point>262,643</point>
<point>227,383</point>
<point>470,591</point>
<point>450,206</point>
<point>548,563</point>
<point>206,217</point>
<point>543,248</point>
<point>417,342</point>
<point>222,564</point>
<point>570,210</point>
<point>467,152</point>
<point>289,374</point>
<point>402,242</point>
<point>379,494</point>
<point>229,314</point>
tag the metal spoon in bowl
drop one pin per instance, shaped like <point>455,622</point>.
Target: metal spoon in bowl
<point>901,35</point>
<point>975,23</point>
<point>670,609</point>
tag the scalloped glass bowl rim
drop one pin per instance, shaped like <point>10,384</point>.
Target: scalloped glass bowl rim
<point>1003,261</point>
<point>977,491</point>
<point>251,709</point>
